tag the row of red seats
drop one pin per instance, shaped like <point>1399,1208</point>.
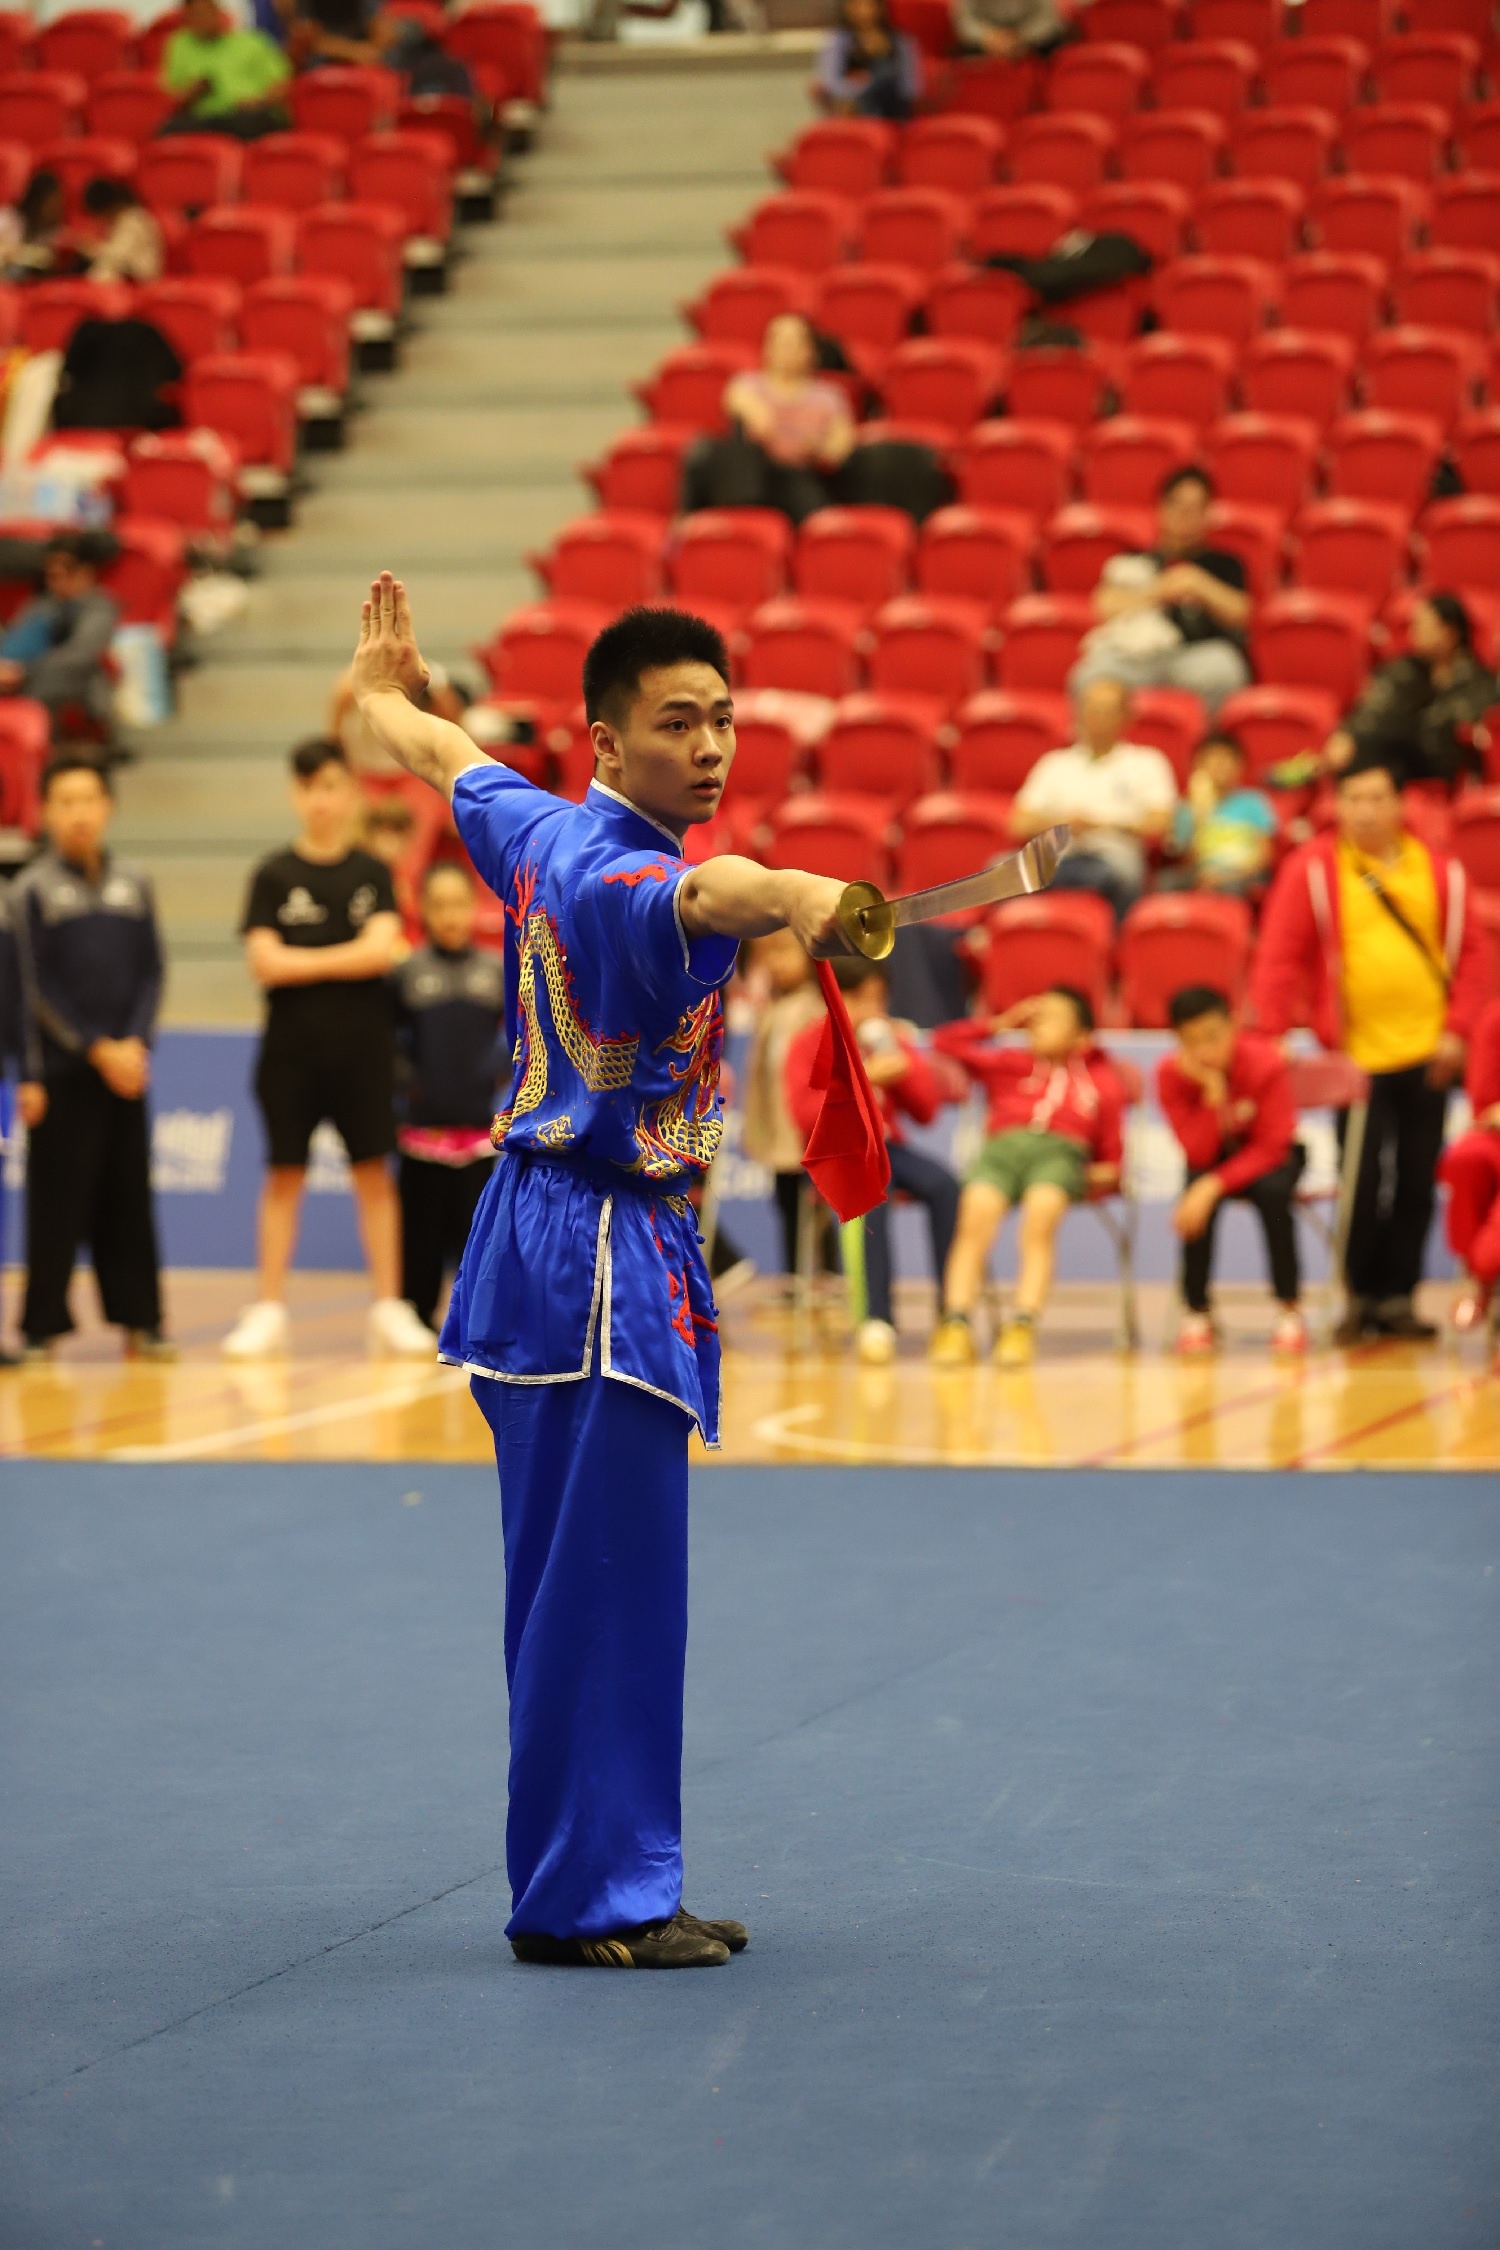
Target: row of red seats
<point>1259,24</point>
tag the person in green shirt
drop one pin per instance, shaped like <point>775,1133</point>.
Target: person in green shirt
<point>224,80</point>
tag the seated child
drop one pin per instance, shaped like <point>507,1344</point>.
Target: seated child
<point>1222,832</point>
<point>450,1025</point>
<point>1227,1094</point>
<point>908,1083</point>
<point>1054,1134</point>
<point>1471,1167</point>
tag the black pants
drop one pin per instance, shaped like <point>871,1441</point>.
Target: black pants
<point>735,472</point>
<point>1395,1191</point>
<point>437,1209</point>
<point>787,1188</point>
<point>88,1181</point>
<point>928,1183</point>
<point>1271,1198</point>
<point>251,123</point>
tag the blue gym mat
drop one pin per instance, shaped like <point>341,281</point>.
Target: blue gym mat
<point>1120,1855</point>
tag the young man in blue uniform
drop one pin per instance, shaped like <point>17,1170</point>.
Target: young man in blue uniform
<point>582,1309</point>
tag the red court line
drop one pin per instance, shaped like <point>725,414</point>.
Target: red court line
<point>1204,1417</point>
<point>1389,1421</point>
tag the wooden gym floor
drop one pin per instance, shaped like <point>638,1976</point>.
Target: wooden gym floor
<point>792,1393</point>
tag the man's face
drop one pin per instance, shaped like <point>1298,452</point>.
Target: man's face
<point>65,579</point>
<point>76,812</point>
<point>1055,1029</point>
<point>672,753</point>
<point>1369,812</point>
<point>204,20</point>
<point>448,910</point>
<point>1182,518</point>
<point>327,805</point>
<point>1208,1041</point>
<point>1101,715</point>
<point>1223,768</point>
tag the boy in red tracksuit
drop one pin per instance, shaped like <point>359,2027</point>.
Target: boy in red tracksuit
<point>1471,1167</point>
<point>1228,1098</point>
<point>1056,1111</point>
<point>908,1083</point>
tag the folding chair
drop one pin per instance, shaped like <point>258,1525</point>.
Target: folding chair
<point>1325,1081</point>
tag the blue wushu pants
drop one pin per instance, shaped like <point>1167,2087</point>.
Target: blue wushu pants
<point>593,1498</point>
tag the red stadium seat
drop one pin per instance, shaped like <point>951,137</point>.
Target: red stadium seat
<point>1315,73</point>
<point>990,86</point>
<point>147,574</point>
<point>308,317</point>
<point>1205,296</point>
<point>1206,74</point>
<point>1299,372</point>
<point>472,155</point>
<point>25,746</point>
<point>242,243</point>
<point>1476,451</point>
<point>1477,135</point>
<point>1124,458</point>
<point>1060,384</point>
<point>1307,638</point>
<point>947,835</point>
<point>1369,21</point>
<point>50,310</point>
<point>1473,16</point>
<point>842,837</point>
<point>1079,541</point>
<point>730,560</point>
<point>804,645</point>
<point>252,399</point>
<point>87,41</point>
<point>1287,144</point>
<point>959,155</point>
<point>1250,219</point>
<point>87,157</point>
<point>411,173</point>
<point>1406,139</point>
<point>345,100</point>
<point>1101,77</point>
<point>1185,146</point>
<point>1339,291</point>
<point>1022,220</point>
<point>806,230</point>
<point>923,228</point>
<point>506,41</point>
<point>1377,456</point>
<point>844,156</point>
<point>1000,735</point>
<point>1110,316</point>
<point>868,308</point>
<point>928,22</point>
<point>1059,937</point>
<point>614,560</point>
<point>1448,288</point>
<point>1273,724</point>
<point>973,302</point>
<point>974,555</point>
<point>927,652</point>
<point>1466,212</point>
<point>1422,371</point>
<point>362,243</point>
<point>1253,533</point>
<point>738,306</point>
<point>1475,840</point>
<point>40,106</point>
<point>948,381</point>
<point>537,654</point>
<point>1255,22</point>
<point>294,171</point>
<point>1462,542</point>
<point>15,170</point>
<point>1154,212</point>
<point>767,762</point>
<point>1189,937</point>
<point>688,385</point>
<point>1148,24</point>
<point>1016,464</point>
<point>1350,546</point>
<point>1055,150</point>
<point>1377,216</point>
<point>1262,460</point>
<point>190,173</point>
<point>1178,378</point>
<point>878,749</point>
<point>1169,720</point>
<point>197,314</point>
<point>153,36</point>
<point>1040,640</point>
<point>643,469</point>
<point>129,105</point>
<point>861,556</point>
<point>1440,67</point>
<point>17,33</point>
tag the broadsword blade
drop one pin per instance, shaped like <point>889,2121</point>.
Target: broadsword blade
<point>1030,869</point>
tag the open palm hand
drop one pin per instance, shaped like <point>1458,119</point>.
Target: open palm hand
<point>387,655</point>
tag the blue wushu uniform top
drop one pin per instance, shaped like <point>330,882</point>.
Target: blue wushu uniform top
<point>584,1252</point>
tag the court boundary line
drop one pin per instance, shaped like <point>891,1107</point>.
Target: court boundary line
<point>431,1383</point>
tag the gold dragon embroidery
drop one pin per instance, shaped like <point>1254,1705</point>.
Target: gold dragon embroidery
<point>684,1129</point>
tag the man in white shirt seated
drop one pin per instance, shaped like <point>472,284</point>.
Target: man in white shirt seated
<point>1117,797</point>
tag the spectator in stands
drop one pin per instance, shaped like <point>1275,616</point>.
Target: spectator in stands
<point>1054,1136</point>
<point>792,431</point>
<point>91,978</point>
<point>1222,831</point>
<point>1007,29</point>
<point>1470,1166</point>
<point>1227,1094</point>
<point>1176,616</point>
<point>1117,796</point>
<point>906,1085</point>
<point>121,240</point>
<point>1417,711</point>
<point>334,31</point>
<point>31,232</point>
<point>1376,931</point>
<point>224,80</point>
<point>10,1046</point>
<point>450,1030</point>
<point>789,1001</point>
<point>386,828</point>
<point>866,68</point>
<point>54,648</point>
<point>320,930</point>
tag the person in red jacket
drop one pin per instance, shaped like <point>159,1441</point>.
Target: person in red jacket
<point>1471,1167</point>
<point>909,1084</point>
<point>1372,932</point>
<point>1054,1135</point>
<point>1228,1097</point>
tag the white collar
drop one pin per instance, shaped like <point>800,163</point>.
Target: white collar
<point>660,826</point>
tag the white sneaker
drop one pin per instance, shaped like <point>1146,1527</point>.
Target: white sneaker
<point>396,1331</point>
<point>259,1333</point>
<point>875,1343</point>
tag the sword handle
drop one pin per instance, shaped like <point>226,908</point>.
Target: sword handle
<point>866,920</point>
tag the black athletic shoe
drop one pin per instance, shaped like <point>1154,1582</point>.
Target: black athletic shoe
<point>650,1945</point>
<point>1358,1323</point>
<point>733,1934</point>
<point>1397,1317</point>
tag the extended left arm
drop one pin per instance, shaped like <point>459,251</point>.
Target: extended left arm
<point>732,897</point>
<point>387,669</point>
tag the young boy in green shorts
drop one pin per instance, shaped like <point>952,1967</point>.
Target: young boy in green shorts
<point>1054,1134</point>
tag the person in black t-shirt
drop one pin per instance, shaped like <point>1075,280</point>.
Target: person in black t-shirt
<point>1177,615</point>
<point>321,931</point>
<point>450,1024</point>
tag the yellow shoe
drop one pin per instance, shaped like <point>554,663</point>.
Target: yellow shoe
<point>1017,1345</point>
<point>952,1344</point>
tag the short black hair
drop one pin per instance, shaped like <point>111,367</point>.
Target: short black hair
<point>1081,1004</point>
<point>96,550</point>
<point>74,761</point>
<point>1193,1001</point>
<point>1453,613</point>
<point>106,193</point>
<point>1220,738</point>
<point>312,756</point>
<point>437,867</point>
<point>851,970</point>
<point>1190,473</point>
<point>1369,759</point>
<point>645,640</point>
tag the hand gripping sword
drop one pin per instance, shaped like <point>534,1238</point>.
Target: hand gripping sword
<point>870,921</point>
